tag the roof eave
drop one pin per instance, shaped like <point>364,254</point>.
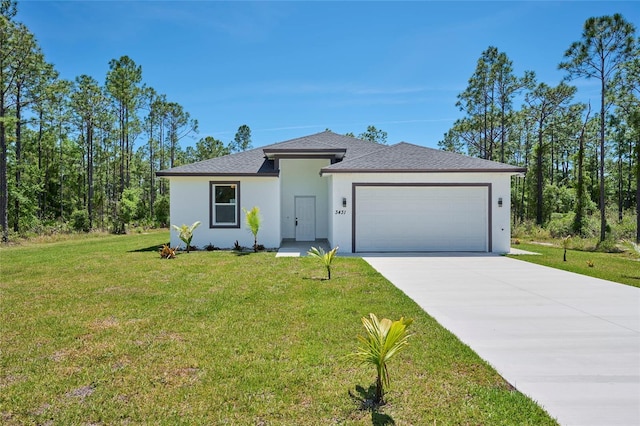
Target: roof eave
<point>194,174</point>
<point>338,153</point>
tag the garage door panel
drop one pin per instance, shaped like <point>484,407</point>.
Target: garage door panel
<point>421,218</point>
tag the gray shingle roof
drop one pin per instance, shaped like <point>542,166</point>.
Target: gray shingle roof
<point>406,157</point>
<point>251,162</point>
<point>326,140</point>
<point>360,156</point>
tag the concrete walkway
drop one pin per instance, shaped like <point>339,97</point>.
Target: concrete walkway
<point>570,342</point>
<point>290,248</point>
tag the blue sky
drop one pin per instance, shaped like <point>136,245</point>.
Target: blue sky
<point>289,69</point>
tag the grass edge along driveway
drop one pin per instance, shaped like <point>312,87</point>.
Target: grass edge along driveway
<point>102,331</point>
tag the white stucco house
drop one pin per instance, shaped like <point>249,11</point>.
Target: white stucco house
<point>362,196</point>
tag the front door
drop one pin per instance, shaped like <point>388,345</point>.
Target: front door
<point>305,218</point>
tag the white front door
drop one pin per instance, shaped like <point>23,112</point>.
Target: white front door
<point>305,218</point>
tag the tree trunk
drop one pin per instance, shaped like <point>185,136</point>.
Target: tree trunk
<point>638,188</point>
<point>379,398</point>
<point>61,176</point>
<point>552,157</point>
<point>126,148</point>
<point>539,178</point>
<point>524,179</point>
<point>151,181</point>
<point>603,218</point>
<point>122,152</point>
<point>629,198</point>
<point>90,172</point>
<point>44,187</point>
<point>4,192</point>
<point>578,220</point>
<point>620,186</point>
<point>503,126</point>
<point>579,217</point>
<point>16,202</point>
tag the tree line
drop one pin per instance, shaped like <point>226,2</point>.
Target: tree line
<point>583,160</point>
<point>82,152</point>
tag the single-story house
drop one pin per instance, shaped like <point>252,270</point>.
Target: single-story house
<point>359,195</point>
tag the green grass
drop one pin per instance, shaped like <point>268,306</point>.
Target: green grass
<point>102,331</point>
<point>622,268</point>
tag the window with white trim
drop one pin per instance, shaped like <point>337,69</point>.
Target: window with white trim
<point>225,204</point>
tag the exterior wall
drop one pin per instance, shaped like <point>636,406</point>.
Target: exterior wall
<point>341,186</point>
<point>331,206</point>
<point>190,201</point>
<point>300,176</point>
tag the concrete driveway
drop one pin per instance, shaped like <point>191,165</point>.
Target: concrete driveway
<point>570,342</point>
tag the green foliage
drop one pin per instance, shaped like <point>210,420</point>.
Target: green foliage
<point>161,208</point>
<point>127,207</point>
<point>374,135</point>
<point>529,229</point>
<point>185,233</point>
<point>607,44</point>
<point>8,8</point>
<point>487,101</point>
<point>608,245</point>
<point>558,199</point>
<point>624,229</point>
<point>384,339</point>
<point>80,221</point>
<point>253,221</point>
<point>242,140</point>
<point>325,258</point>
<point>561,224</point>
<point>209,147</point>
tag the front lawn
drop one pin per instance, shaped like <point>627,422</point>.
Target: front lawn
<point>622,268</point>
<point>102,331</point>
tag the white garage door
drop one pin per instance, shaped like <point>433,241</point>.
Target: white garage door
<point>421,218</point>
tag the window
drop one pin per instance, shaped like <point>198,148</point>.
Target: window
<point>225,204</point>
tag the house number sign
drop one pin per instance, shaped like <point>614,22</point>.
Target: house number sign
<point>340,212</point>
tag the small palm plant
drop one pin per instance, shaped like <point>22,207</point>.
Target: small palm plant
<point>384,339</point>
<point>253,222</point>
<point>325,257</point>
<point>186,233</point>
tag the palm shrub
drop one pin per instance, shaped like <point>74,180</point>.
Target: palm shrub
<point>383,340</point>
<point>253,222</point>
<point>186,233</point>
<point>325,257</point>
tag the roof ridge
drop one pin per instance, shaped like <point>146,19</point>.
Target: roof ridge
<point>297,139</point>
